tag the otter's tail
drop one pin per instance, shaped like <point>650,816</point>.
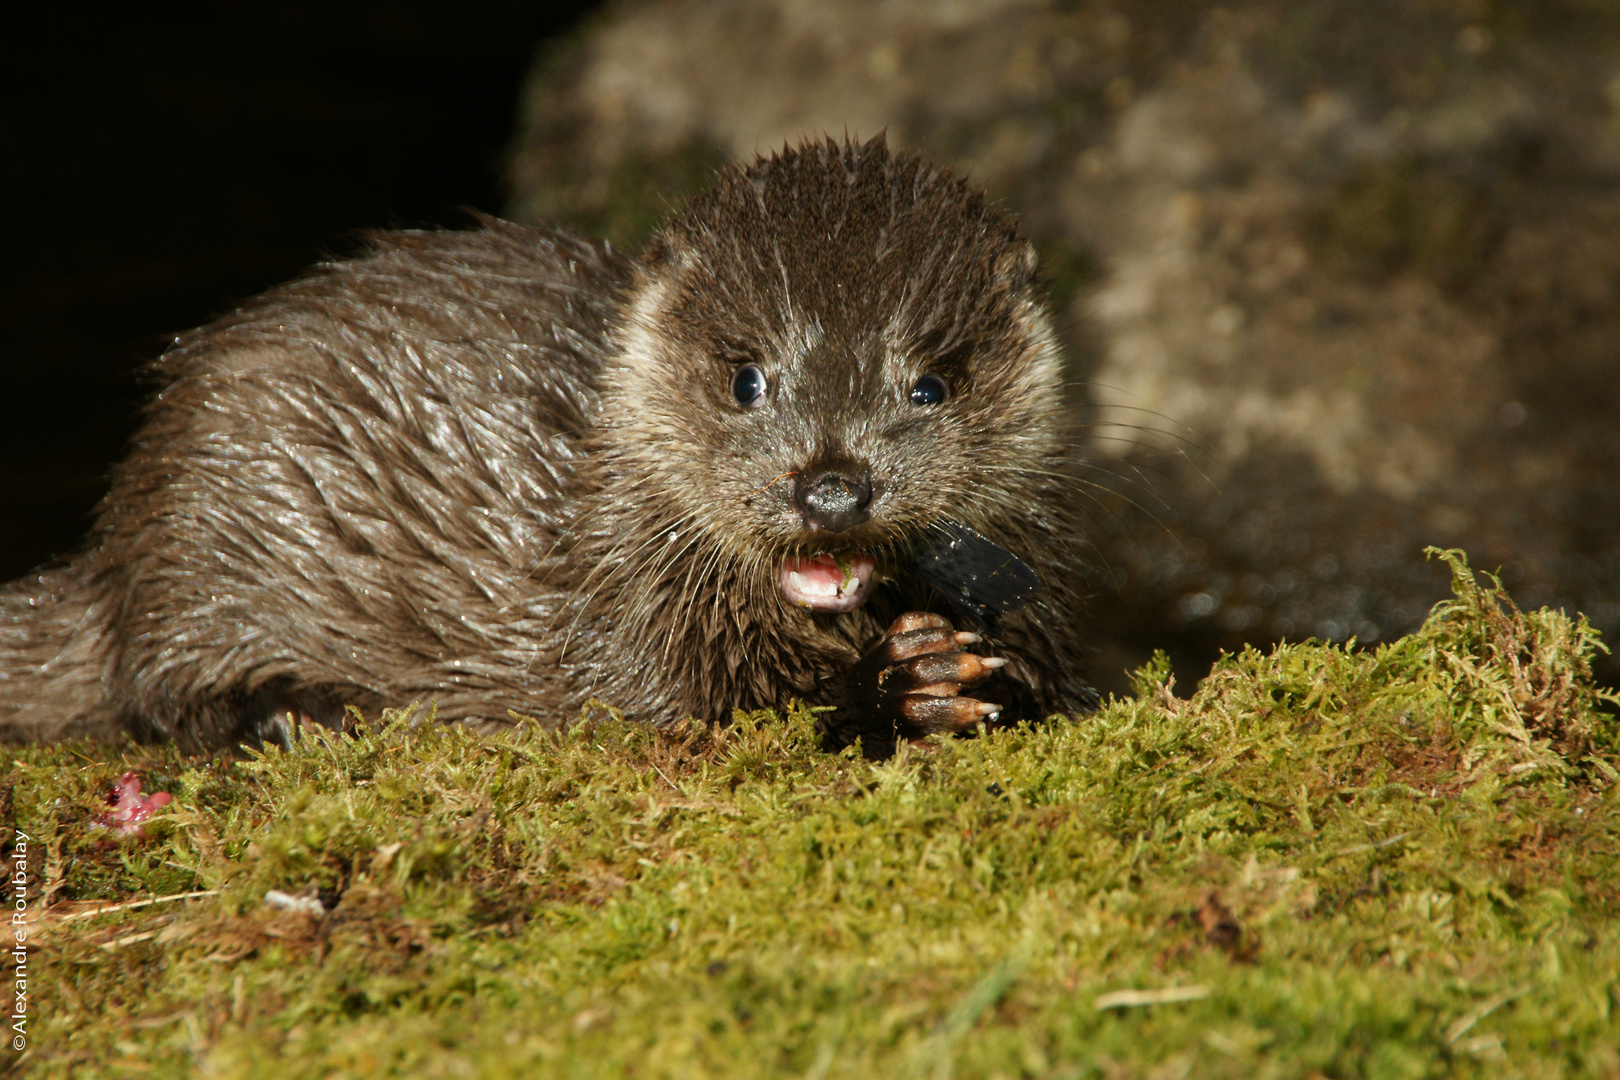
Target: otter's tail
<point>56,656</point>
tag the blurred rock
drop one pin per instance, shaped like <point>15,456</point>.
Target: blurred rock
<point>1338,276</point>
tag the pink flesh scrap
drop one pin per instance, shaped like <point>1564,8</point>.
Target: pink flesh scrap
<point>129,806</point>
<point>820,584</point>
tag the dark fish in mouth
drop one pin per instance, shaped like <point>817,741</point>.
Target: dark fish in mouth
<point>978,576</point>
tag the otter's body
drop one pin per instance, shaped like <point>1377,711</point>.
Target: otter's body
<point>510,469</point>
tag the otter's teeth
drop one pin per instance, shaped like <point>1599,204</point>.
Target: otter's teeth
<point>828,583</point>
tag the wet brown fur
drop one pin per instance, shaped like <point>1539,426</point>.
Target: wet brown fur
<point>502,469</point>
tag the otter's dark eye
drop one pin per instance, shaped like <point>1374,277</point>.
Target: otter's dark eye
<point>748,386</point>
<point>929,390</point>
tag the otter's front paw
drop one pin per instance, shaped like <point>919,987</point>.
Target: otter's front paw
<point>910,685</point>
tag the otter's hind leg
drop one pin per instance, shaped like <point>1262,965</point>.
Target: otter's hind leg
<point>274,715</point>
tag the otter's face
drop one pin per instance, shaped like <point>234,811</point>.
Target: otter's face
<point>814,373</point>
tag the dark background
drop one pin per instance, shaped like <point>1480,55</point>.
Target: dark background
<point>157,167</point>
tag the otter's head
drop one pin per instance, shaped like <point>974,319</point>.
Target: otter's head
<point>827,353</point>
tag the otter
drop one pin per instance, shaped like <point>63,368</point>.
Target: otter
<point>509,469</point>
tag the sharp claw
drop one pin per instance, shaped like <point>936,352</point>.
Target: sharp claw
<point>967,637</point>
<point>992,662</point>
<point>984,708</point>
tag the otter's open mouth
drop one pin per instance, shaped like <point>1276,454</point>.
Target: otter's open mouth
<point>828,582</point>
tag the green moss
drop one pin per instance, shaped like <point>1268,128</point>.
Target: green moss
<point>1400,862</point>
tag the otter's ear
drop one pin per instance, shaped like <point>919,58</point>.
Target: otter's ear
<point>1017,265</point>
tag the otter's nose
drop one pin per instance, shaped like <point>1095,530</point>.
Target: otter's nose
<point>832,500</point>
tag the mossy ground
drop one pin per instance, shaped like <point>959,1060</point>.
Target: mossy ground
<point>1401,862</point>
